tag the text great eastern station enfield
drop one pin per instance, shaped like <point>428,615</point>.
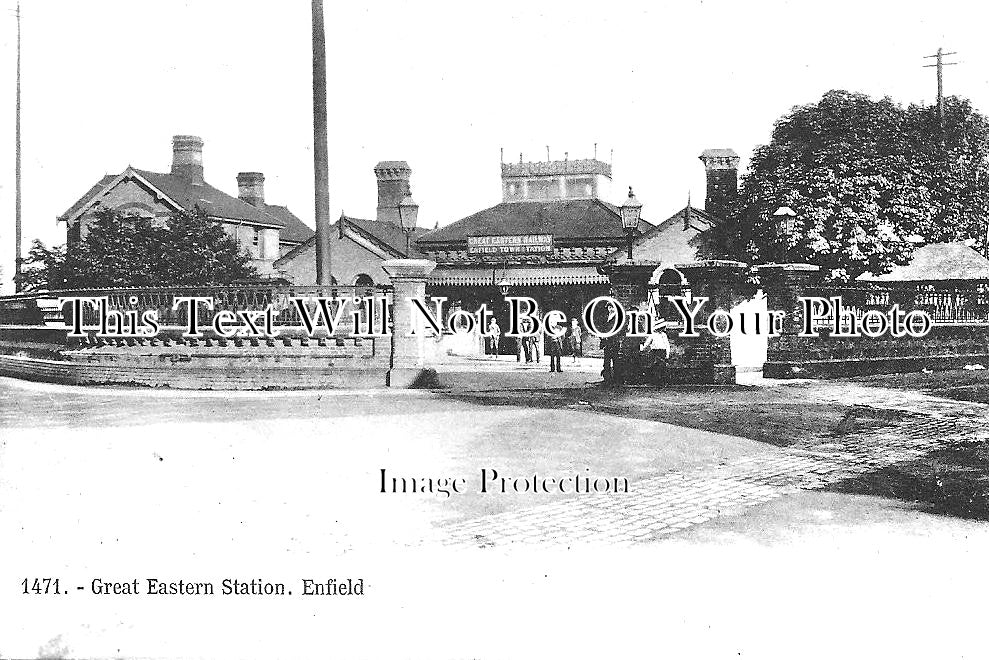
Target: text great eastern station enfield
<point>227,587</point>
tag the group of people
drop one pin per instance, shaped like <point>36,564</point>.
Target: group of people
<point>652,358</point>
<point>648,366</point>
<point>530,348</point>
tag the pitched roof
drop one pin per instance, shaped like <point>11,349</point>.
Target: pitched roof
<point>938,261</point>
<point>566,219</point>
<point>95,190</point>
<point>212,200</point>
<point>293,230</point>
<point>696,219</point>
<point>386,235</point>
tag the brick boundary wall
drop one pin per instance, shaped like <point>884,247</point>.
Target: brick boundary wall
<point>945,347</point>
<point>47,354</point>
<point>262,374</point>
<point>958,337</point>
<point>34,342</point>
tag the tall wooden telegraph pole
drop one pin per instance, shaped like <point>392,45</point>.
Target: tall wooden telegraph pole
<point>17,162</point>
<point>320,136</point>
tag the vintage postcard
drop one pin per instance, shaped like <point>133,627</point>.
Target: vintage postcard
<point>450,330</point>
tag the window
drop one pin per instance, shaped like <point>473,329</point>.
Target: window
<point>538,189</point>
<point>580,187</point>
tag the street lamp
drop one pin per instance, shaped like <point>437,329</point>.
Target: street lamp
<point>408,214</point>
<point>785,225</point>
<point>503,284</point>
<point>631,214</point>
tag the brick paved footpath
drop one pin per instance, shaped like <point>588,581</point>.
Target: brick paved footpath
<point>663,505</point>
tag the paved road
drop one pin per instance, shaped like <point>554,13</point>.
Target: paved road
<point>327,447</point>
<point>677,478</point>
<point>284,485</point>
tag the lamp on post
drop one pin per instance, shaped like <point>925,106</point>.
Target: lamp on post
<point>503,284</point>
<point>408,214</point>
<point>631,214</point>
<point>786,223</point>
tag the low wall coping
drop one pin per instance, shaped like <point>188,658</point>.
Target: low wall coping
<point>809,268</point>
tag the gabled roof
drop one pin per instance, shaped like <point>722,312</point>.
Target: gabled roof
<point>696,219</point>
<point>938,261</point>
<point>386,236</point>
<point>566,219</point>
<point>214,201</point>
<point>293,230</point>
<point>92,192</point>
<point>181,193</point>
<point>687,218</point>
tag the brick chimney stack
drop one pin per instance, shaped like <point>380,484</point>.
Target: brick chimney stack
<point>393,186</point>
<point>187,158</point>
<point>250,188</point>
<point>722,179</point>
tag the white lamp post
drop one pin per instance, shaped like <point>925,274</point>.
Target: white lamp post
<point>631,214</point>
<point>785,225</point>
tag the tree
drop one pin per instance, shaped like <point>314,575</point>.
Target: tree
<point>44,267</point>
<point>864,178</point>
<point>131,251</point>
<point>955,165</point>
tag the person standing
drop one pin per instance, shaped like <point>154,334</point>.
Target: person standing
<point>494,335</point>
<point>573,340</point>
<point>656,351</point>
<point>554,337</point>
<point>535,348</point>
<point>612,368</point>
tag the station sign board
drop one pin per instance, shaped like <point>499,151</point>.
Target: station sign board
<point>527,244</point>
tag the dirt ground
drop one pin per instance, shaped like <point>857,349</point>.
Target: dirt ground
<point>777,416</point>
<point>958,384</point>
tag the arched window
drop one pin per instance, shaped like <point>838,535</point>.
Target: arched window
<point>364,285</point>
<point>671,283</point>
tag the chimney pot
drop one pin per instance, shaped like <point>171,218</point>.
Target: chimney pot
<point>393,186</point>
<point>250,188</point>
<point>187,157</point>
<point>722,179</point>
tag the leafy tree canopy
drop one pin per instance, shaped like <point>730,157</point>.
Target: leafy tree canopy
<point>190,249</point>
<point>866,178</point>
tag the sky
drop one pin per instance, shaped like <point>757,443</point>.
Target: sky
<point>444,86</point>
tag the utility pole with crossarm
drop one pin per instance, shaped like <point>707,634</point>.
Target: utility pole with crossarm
<point>940,64</point>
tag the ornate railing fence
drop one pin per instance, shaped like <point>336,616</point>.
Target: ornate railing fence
<point>947,303</point>
<point>42,308</point>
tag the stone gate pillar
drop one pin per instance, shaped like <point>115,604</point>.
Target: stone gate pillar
<point>408,278</point>
<point>706,359</point>
<point>629,286</point>
<point>784,284</point>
